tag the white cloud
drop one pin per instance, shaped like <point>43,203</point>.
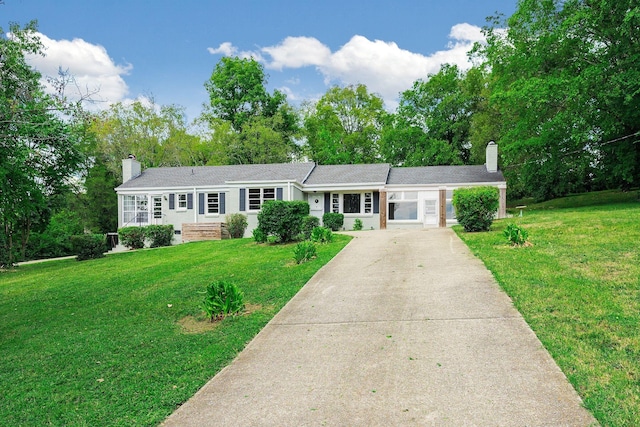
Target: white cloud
<point>89,64</point>
<point>226,48</point>
<point>384,67</point>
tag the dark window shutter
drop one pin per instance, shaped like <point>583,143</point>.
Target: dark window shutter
<point>189,200</point>
<point>327,202</point>
<point>376,202</point>
<point>279,193</point>
<point>222,203</point>
<point>243,199</point>
<point>172,201</point>
<point>201,203</point>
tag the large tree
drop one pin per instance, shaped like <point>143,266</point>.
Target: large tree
<point>39,143</point>
<point>566,85</point>
<point>433,121</point>
<point>263,127</point>
<point>345,126</point>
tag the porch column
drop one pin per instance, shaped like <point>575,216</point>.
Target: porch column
<point>502,207</point>
<point>383,210</point>
<point>442,197</point>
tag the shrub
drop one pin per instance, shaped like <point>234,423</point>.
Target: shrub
<point>259,236</point>
<point>282,219</point>
<point>309,222</point>
<point>132,237</point>
<point>476,207</point>
<point>304,251</point>
<point>222,299</point>
<point>159,235</point>
<point>321,235</point>
<point>236,224</point>
<point>357,224</point>
<point>333,220</point>
<point>89,246</point>
<point>516,234</point>
<point>55,240</point>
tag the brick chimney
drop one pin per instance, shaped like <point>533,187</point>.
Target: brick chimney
<point>492,157</point>
<point>130,168</point>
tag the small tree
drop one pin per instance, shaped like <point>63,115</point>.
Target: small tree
<point>476,207</point>
<point>282,219</point>
<point>236,224</point>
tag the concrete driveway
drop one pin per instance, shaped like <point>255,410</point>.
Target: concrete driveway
<point>401,328</point>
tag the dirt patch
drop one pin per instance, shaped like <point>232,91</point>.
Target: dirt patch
<point>199,325</point>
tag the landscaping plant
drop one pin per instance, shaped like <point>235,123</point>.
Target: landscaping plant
<point>282,219</point>
<point>516,234</point>
<point>476,207</point>
<point>309,222</point>
<point>159,235</point>
<point>132,237</point>
<point>304,251</point>
<point>89,246</point>
<point>357,224</point>
<point>236,225</point>
<point>333,220</point>
<point>222,299</point>
<point>321,235</point>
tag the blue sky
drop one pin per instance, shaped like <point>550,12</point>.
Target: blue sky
<point>168,49</point>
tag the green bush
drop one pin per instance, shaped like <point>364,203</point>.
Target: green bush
<point>476,207</point>
<point>55,240</point>
<point>89,246</point>
<point>236,225</point>
<point>222,299</point>
<point>333,220</point>
<point>309,222</point>
<point>159,235</point>
<point>321,235</point>
<point>132,237</point>
<point>282,219</point>
<point>304,251</point>
<point>259,236</point>
<point>516,234</point>
<point>357,224</point>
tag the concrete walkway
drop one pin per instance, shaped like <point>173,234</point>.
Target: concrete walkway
<point>401,328</point>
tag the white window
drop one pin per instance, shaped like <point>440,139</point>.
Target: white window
<point>135,210</point>
<point>182,201</point>
<point>157,207</point>
<point>451,212</point>
<point>403,205</point>
<point>352,203</point>
<point>257,196</point>
<point>213,203</point>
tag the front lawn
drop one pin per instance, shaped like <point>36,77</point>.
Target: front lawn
<point>121,340</point>
<point>578,287</point>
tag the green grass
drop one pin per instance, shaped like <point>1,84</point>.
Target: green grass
<point>99,342</point>
<point>578,287</point>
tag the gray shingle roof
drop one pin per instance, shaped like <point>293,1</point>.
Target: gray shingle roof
<point>199,176</point>
<point>442,175</point>
<point>349,174</point>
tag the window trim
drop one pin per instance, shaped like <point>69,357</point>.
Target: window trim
<point>337,203</point>
<point>209,204</point>
<point>264,194</point>
<point>140,205</point>
<point>179,201</point>
<point>400,198</point>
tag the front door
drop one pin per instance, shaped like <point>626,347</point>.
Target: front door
<point>430,212</point>
<point>157,210</point>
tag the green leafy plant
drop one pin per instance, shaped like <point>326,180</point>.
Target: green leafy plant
<point>259,236</point>
<point>476,207</point>
<point>321,235</point>
<point>282,218</point>
<point>357,224</point>
<point>516,234</point>
<point>304,251</point>
<point>89,246</point>
<point>222,299</point>
<point>333,220</point>
<point>236,225</point>
<point>132,237</point>
<point>309,222</point>
<point>159,235</point>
